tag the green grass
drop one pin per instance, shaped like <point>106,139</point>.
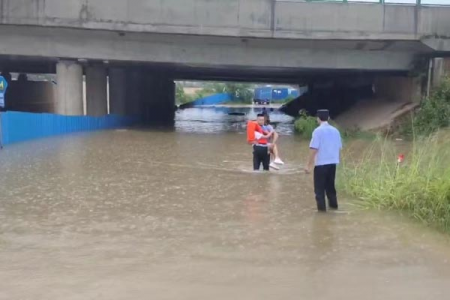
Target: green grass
<point>432,115</point>
<point>306,124</point>
<point>419,186</point>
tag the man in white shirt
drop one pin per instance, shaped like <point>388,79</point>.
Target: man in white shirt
<point>325,148</point>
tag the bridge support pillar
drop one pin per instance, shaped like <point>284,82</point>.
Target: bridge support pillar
<point>96,91</point>
<point>117,91</point>
<point>69,88</point>
<point>134,93</point>
<point>159,100</point>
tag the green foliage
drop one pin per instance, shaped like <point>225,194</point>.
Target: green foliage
<point>305,125</point>
<point>215,87</point>
<point>180,95</point>
<point>245,96</point>
<point>241,92</point>
<point>419,185</point>
<point>203,93</point>
<point>434,112</point>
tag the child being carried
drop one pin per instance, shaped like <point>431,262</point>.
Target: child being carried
<point>273,148</point>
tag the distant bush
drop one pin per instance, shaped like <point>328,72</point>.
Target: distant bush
<point>181,97</point>
<point>305,125</point>
<point>434,112</point>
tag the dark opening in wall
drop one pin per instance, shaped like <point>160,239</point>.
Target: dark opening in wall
<point>334,95</point>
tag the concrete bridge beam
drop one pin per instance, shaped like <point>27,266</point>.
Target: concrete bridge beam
<point>201,51</point>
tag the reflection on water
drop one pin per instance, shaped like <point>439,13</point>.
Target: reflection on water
<point>137,214</point>
<point>226,119</point>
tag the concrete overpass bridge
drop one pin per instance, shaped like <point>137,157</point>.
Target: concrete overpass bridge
<point>143,45</point>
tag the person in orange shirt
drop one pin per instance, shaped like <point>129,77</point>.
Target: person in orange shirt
<point>259,139</point>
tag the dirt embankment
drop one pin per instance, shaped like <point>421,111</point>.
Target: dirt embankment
<point>374,114</point>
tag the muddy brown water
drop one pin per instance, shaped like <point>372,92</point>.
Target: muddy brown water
<point>160,214</point>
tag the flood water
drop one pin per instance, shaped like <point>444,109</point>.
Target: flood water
<point>178,214</point>
<point>227,119</point>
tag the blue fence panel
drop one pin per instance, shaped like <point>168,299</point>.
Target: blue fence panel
<point>276,94</point>
<point>264,93</point>
<point>280,94</point>
<point>20,126</point>
<point>213,99</point>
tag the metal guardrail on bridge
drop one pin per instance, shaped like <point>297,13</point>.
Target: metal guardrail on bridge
<point>407,2</point>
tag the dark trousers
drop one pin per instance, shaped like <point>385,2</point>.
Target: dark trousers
<point>261,156</point>
<point>324,178</point>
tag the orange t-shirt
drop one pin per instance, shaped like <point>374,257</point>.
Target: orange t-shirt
<point>253,127</point>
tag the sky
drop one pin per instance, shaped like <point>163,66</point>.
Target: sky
<point>447,2</point>
<point>444,2</point>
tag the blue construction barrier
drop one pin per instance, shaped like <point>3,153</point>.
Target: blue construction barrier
<point>213,99</point>
<point>21,126</point>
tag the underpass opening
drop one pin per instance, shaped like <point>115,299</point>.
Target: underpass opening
<point>226,106</point>
<point>149,92</point>
<point>364,102</point>
<point>26,92</point>
<point>360,100</point>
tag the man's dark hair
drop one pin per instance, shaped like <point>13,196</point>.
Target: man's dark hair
<point>323,114</point>
<point>259,115</point>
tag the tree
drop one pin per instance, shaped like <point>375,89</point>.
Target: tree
<point>180,95</point>
<point>240,92</point>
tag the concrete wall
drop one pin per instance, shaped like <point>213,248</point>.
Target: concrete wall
<point>31,96</point>
<point>434,21</point>
<point>398,89</point>
<point>441,69</point>
<point>252,18</point>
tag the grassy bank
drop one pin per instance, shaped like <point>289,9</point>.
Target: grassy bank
<point>305,125</point>
<point>420,185</point>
